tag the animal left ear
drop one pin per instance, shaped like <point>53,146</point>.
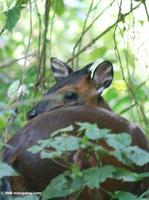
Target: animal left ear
<point>60,69</point>
<point>102,75</point>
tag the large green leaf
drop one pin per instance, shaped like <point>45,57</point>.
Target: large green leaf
<point>127,196</point>
<point>58,7</point>
<point>57,188</point>
<point>94,176</point>
<point>12,17</point>
<point>6,170</point>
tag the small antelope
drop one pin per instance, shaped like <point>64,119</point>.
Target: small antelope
<point>74,98</point>
<point>75,88</point>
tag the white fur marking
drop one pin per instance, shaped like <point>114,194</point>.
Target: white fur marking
<point>94,66</point>
<point>100,89</point>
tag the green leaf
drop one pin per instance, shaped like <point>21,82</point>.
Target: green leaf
<point>58,187</point>
<point>95,135</point>
<point>12,17</point>
<point>118,141</point>
<point>125,196</point>
<point>121,156</point>
<point>50,155</point>
<point>6,170</point>
<point>141,22</point>
<point>87,126</point>
<point>75,170</point>
<point>131,155</point>
<point>76,184</point>
<point>64,143</point>
<point>63,130</point>
<point>92,131</point>
<point>145,194</point>
<point>96,175</point>
<point>126,175</point>
<point>59,144</point>
<point>121,195</point>
<point>138,156</point>
<point>58,7</point>
<point>98,52</point>
<point>35,149</point>
<point>100,150</point>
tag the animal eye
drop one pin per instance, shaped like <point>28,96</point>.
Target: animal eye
<point>31,114</point>
<point>70,96</point>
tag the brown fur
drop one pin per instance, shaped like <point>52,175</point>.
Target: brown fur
<point>37,173</point>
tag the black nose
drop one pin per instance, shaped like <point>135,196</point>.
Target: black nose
<point>31,114</point>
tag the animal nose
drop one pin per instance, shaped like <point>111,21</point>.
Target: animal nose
<point>31,114</point>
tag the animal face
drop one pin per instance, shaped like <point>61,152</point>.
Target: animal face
<point>81,87</point>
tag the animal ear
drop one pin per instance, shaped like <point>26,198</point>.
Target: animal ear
<point>102,75</point>
<point>60,69</point>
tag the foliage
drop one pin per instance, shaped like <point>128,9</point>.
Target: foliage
<point>120,142</point>
<point>71,25</point>
<point>6,170</point>
<point>78,32</point>
<point>74,180</point>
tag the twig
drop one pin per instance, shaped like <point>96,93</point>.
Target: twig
<point>90,25</point>
<point>51,28</point>
<point>126,109</point>
<point>129,84</point>
<point>145,7</point>
<point>83,32</point>
<point>40,31</point>
<point>100,35</point>
<point>12,117</point>
<point>11,62</point>
<point>1,32</point>
<point>42,64</point>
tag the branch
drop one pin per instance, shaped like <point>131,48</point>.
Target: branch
<point>41,70</point>
<point>78,44</point>
<point>89,26</point>
<point>103,33</point>
<point>11,62</point>
<point>145,7</point>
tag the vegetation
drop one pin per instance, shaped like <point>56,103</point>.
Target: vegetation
<point>74,180</point>
<point>78,32</point>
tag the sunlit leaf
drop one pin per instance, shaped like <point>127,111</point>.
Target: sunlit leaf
<point>119,85</point>
<point>58,7</point>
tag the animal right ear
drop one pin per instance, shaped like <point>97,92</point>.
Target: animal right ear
<point>102,75</point>
<point>60,69</point>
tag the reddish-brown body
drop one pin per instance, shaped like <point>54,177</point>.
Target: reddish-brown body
<point>70,101</point>
<point>37,173</point>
